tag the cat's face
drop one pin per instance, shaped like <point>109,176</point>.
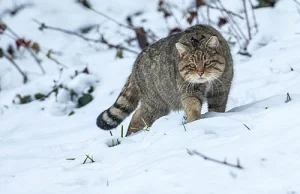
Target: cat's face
<point>202,62</point>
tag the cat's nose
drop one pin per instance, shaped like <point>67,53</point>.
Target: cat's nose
<point>200,73</point>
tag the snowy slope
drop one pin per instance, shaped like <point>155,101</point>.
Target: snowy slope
<point>38,137</point>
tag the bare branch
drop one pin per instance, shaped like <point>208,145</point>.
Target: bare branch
<point>247,19</point>
<point>102,40</point>
<point>37,60</point>
<point>233,21</point>
<point>288,98</point>
<point>16,66</point>
<point>119,23</point>
<point>49,55</point>
<point>16,9</point>
<point>227,11</point>
<point>91,158</point>
<point>238,165</point>
<point>253,15</point>
<point>247,127</point>
<point>208,15</point>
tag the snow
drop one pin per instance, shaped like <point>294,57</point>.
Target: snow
<point>37,138</point>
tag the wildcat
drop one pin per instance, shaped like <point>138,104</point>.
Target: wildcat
<point>177,72</point>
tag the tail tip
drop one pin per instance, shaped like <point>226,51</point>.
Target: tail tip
<point>102,124</point>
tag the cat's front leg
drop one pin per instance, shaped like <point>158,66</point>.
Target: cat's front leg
<point>217,102</point>
<point>192,108</point>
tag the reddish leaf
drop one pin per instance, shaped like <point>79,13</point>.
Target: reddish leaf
<point>222,21</point>
<point>21,42</point>
<point>166,14</point>
<point>192,16</point>
<point>200,3</point>
<point>160,3</point>
<point>2,28</point>
<point>86,70</point>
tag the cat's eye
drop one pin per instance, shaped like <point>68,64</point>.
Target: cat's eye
<point>192,65</point>
<point>207,63</point>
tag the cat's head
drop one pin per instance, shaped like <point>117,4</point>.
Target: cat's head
<point>201,60</point>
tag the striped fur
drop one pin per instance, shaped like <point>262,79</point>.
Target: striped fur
<point>125,104</point>
<point>178,72</point>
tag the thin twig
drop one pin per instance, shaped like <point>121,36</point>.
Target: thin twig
<point>16,9</point>
<point>88,157</point>
<point>227,11</point>
<point>238,165</point>
<point>288,98</point>
<point>235,36</point>
<point>208,14</point>
<point>91,158</point>
<point>37,60</point>
<point>247,127</point>
<point>247,19</point>
<point>16,66</point>
<point>49,56</point>
<point>117,22</point>
<point>44,26</point>
<point>231,24</point>
<point>172,14</point>
<point>122,131</point>
<point>184,126</point>
<point>202,14</point>
<point>233,21</point>
<point>254,17</point>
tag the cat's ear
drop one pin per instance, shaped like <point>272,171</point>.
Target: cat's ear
<point>213,42</point>
<point>182,49</point>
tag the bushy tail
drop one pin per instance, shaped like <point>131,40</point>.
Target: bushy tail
<point>126,103</point>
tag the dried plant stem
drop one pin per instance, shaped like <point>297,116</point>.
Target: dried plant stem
<point>254,17</point>
<point>247,127</point>
<point>110,18</point>
<point>172,14</point>
<point>225,10</point>
<point>184,126</point>
<point>235,36</point>
<point>232,26</point>
<point>208,15</point>
<point>103,41</point>
<point>202,14</point>
<point>288,98</point>
<point>54,60</point>
<point>233,21</point>
<point>16,66</point>
<point>238,165</point>
<point>88,157</point>
<point>37,60</point>
<point>118,23</point>
<point>247,20</point>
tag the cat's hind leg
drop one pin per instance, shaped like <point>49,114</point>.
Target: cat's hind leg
<point>144,117</point>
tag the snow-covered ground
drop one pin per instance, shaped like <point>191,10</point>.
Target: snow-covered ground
<point>37,138</point>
